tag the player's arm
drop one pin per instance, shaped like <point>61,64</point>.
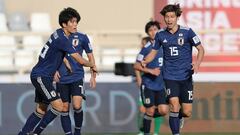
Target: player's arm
<point>138,78</point>
<point>139,67</point>
<point>93,70</point>
<point>149,57</point>
<point>67,64</point>
<point>152,53</point>
<point>199,59</point>
<point>195,41</point>
<point>81,60</point>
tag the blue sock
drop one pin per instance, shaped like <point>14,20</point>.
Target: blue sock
<point>47,118</point>
<point>31,122</point>
<point>147,124</point>
<point>78,118</point>
<point>66,123</point>
<point>174,122</point>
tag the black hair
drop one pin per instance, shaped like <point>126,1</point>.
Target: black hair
<point>67,14</point>
<point>172,8</point>
<point>150,24</point>
<point>147,39</point>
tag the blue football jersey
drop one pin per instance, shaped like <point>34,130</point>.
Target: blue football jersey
<point>52,54</point>
<point>177,49</point>
<point>81,43</point>
<point>151,81</point>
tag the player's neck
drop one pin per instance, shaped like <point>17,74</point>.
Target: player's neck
<point>66,32</point>
<point>174,29</point>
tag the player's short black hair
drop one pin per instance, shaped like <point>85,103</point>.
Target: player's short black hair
<point>150,24</point>
<point>67,14</point>
<point>172,8</point>
<point>147,39</point>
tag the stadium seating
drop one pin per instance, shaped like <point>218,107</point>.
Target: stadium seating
<point>3,23</point>
<point>18,22</point>
<point>7,42</point>
<point>32,42</point>
<point>40,22</point>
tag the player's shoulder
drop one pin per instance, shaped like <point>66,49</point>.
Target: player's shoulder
<point>59,34</point>
<point>81,35</point>
<point>162,30</point>
<point>184,28</point>
<point>147,45</point>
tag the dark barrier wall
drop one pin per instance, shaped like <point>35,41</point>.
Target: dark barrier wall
<point>113,108</point>
<point>110,108</point>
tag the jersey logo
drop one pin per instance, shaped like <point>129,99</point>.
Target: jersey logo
<point>53,93</point>
<point>165,41</point>
<point>180,41</point>
<point>147,101</point>
<point>196,40</point>
<point>140,57</point>
<point>75,42</point>
<point>168,91</point>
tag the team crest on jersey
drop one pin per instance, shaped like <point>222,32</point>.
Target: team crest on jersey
<point>75,42</point>
<point>180,40</point>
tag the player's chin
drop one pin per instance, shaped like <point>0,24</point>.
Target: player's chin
<point>74,31</point>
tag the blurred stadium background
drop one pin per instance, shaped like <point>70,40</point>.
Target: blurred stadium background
<point>116,29</point>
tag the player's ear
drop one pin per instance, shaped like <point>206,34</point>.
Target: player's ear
<point>64,25</point>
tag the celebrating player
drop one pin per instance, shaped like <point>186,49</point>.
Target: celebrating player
<point>42,74</point>
<point>177,42</point>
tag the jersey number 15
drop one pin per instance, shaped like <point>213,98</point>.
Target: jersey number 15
<point>174,51</point>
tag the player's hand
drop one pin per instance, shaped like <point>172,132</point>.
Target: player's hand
<point>143,63</point>
<point>92,83</point>
<point>155,71</point>
<point>56,77</point>
<point>94,69</point>
<point>195,67</point>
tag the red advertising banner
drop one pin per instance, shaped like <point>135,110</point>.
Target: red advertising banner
<point>217,24</point>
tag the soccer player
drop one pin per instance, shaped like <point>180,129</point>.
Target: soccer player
<point>70,83</point>
<point>50,59</point>
<point>177,42</point>
<point>152,85</point>
<point>142,110</point>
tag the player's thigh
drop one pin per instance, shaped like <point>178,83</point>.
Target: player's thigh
<point>64,92</point>
<point>147,97</point>
<point>44,90</point>
<point>186,95</point>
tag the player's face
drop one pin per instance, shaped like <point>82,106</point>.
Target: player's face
<point>71,26</point>
<point>170,19</point>
<point>152,31</point>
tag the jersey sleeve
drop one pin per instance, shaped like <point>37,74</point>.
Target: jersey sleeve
<point>87,46</point>
<point>142,54</point>
<point>157,42</point>
<point>194,39</point>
